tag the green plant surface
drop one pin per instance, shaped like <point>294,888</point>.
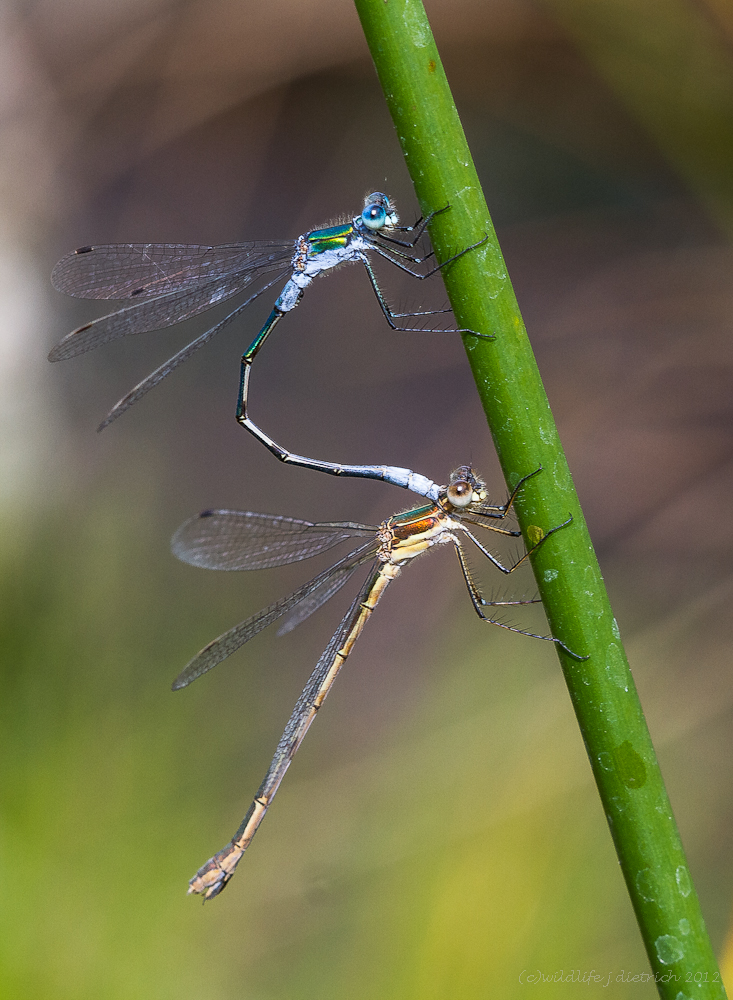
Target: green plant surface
<point>568,576</point>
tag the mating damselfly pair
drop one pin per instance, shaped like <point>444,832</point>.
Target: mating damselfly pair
<point>172,282</point>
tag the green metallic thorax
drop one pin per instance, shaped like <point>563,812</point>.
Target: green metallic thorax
<point>329,239</point>
<point>414,531</point>
<point>416,514</point>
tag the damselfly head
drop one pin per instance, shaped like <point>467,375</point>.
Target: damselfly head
<point>464,488</point>
<point>378,212</point>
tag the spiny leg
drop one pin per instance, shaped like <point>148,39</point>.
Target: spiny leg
<point>479,602</point>
<point>510,569</point>
<point>388,313</point>
<point>490,556</point>
<point>492,527</point>
<point>501,511</point>
<point>419,228</point>
<point>391,316</point>
<point>390,255</point>
<point>478,599</point>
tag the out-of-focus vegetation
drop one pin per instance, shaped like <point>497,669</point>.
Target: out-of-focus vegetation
<point>439,832</point>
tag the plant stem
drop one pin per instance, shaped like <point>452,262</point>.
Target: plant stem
<point>568,576</point>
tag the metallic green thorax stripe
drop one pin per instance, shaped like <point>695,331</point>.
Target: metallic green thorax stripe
<point>329,239</point>
<point>411,515</point>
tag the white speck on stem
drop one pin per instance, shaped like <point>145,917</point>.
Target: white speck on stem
<point>669,949</point>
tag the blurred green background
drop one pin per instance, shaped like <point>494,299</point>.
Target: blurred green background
<point>439,834</point>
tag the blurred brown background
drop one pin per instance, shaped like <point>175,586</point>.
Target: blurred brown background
<point>439,832</point>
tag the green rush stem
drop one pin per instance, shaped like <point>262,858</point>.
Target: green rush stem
<point>568,576</point>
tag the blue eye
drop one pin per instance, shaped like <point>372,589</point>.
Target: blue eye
<point>374,216</point>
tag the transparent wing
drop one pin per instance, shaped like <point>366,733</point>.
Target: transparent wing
<point>151,314</point>
<point>301,716</point>
<point>147,270</point>
<point>150,381</point>
<point>214,876</point>
<point>226,644</point>
<point>316,599</point>
<point>243,540</point>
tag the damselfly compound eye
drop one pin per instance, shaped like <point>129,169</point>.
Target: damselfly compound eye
<point>460,493</point>
<point>374,216</point>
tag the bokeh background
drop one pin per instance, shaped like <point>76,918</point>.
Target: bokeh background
<point>439,832</point>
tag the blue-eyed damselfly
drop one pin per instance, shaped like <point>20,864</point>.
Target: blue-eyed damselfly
<point>170,283</point>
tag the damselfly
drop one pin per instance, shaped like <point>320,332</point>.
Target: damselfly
<point>237,540</point>
<point>172,282</point>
